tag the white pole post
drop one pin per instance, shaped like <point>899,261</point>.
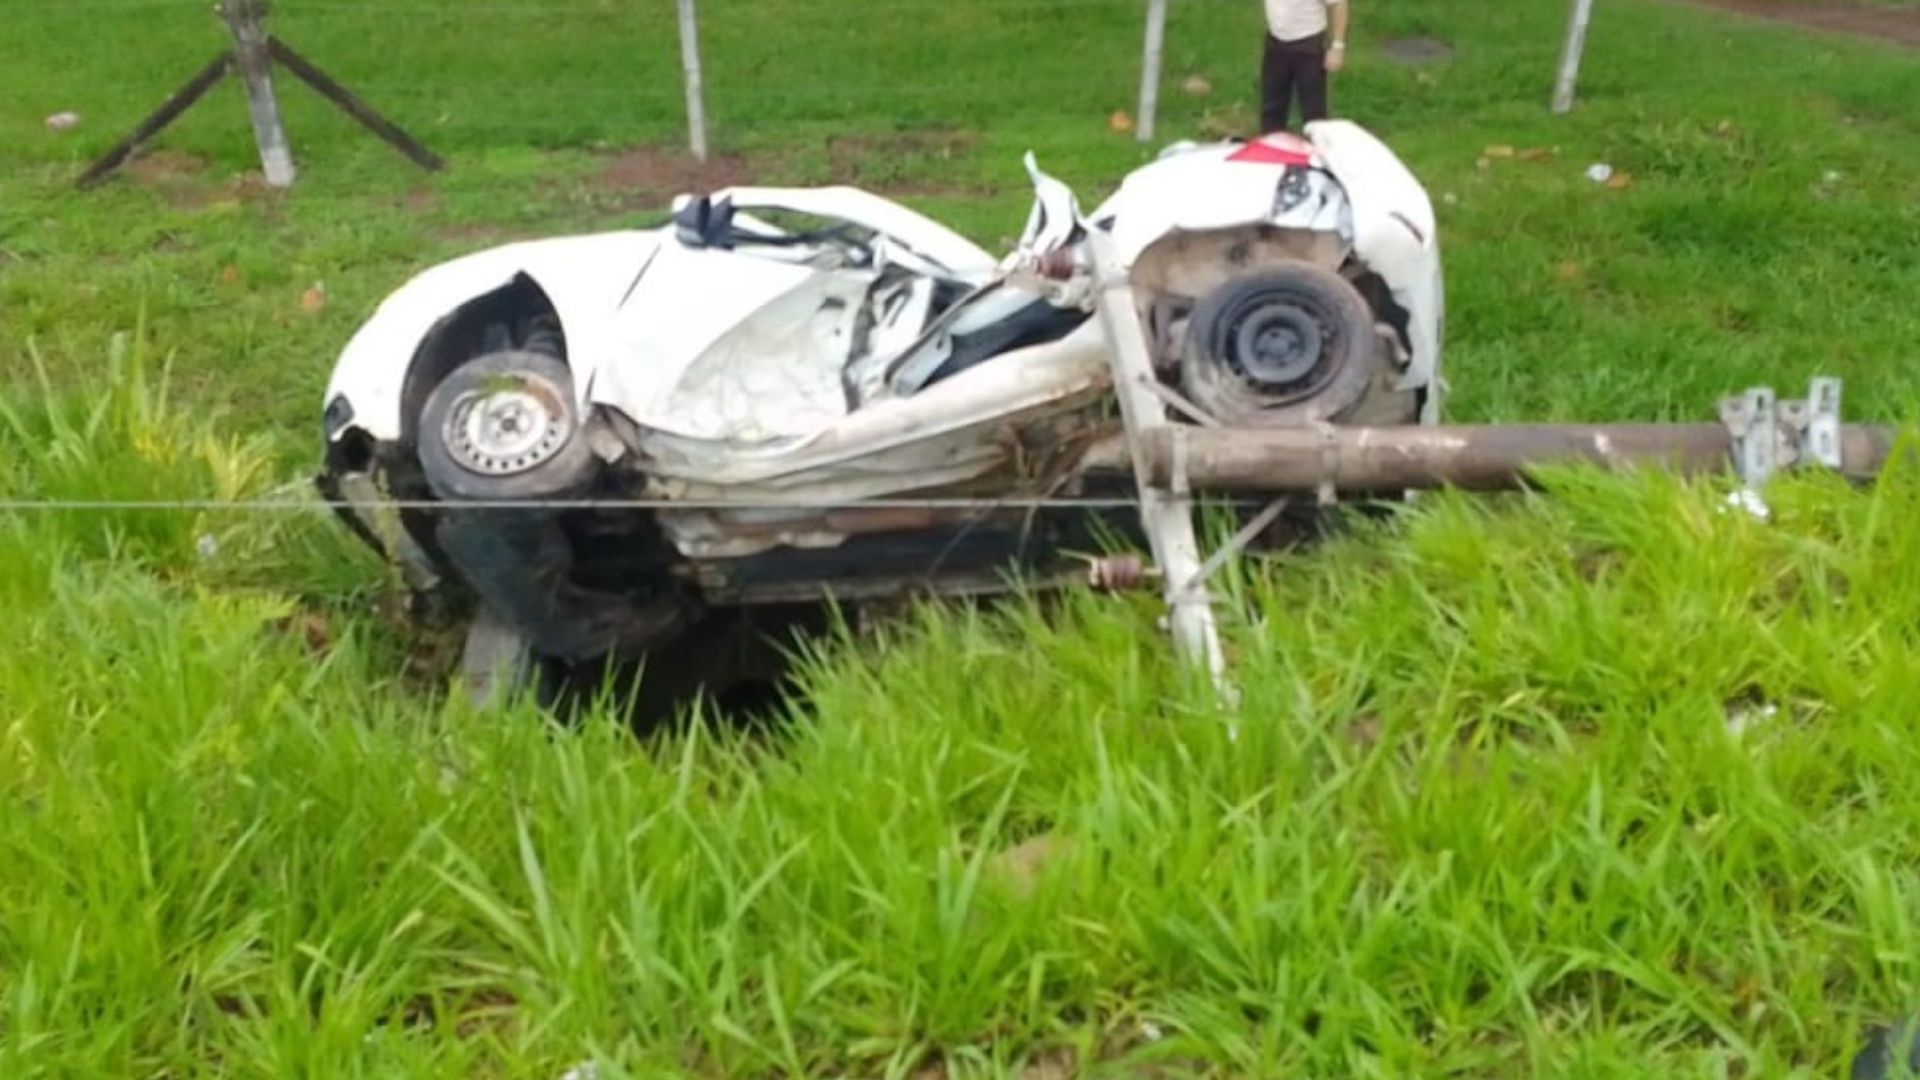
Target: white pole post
<point>1166,511</point>
<point>250,49</point>
<point>1570,55</point>
<point>1150,68</point>
<point>690,65</point>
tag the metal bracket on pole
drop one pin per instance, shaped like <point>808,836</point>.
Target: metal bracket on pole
<point>1823,422</point>
<point>1179,403</point>
<point>1238,543</point>
<point>1769,435</point>
<point>1166,512</point>
<point>1751,423</point>
<point>1328,493</point>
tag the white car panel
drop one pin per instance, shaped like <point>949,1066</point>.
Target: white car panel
<point>582,275</point>
<point>688,300</point>
<point>1394,234</point>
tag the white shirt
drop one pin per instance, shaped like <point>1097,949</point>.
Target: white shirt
<point>1291,20</point>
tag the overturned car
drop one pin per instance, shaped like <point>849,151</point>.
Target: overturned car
<point>786,396</point>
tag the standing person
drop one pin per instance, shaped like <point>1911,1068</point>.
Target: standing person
<point>1299,54</point>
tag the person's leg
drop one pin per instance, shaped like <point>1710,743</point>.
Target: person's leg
<point>1310,77</point>
<point>1276,87</point>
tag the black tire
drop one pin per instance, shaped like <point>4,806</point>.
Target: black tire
<point>1890,1052</point>
<point>1290,343</point>
<point>466,453</point>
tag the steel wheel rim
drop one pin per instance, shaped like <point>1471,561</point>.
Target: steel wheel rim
<point>1283,345</point>
<point>508,429</point>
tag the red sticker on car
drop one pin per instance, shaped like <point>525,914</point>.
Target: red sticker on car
<point>1269,151</point>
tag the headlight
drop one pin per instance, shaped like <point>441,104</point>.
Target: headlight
<point>338,415</point>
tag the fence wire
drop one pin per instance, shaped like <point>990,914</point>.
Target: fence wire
<point>299,9</point>
<point>21,506</point>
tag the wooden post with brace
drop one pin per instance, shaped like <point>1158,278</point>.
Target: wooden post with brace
<point>243,18</point>
<point>253,55</point>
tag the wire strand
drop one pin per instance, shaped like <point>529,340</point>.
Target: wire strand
<point>272,505</point>
<point>18,506</point>
<point>303,8</point>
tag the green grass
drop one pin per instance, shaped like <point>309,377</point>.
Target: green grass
<point>1606,784</point>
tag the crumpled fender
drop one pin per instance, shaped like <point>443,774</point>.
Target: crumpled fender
<point>1394,233</point>
<point>583,276</point>
<point>1388,216</point>
<point>1192,188</point>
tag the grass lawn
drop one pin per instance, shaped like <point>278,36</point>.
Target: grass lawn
<point>1611,784</point>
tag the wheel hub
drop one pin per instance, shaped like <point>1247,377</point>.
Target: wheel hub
<point>505,430</point>
<point>1278,345</point>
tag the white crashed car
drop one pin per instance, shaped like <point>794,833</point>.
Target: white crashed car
<point>833,352</point>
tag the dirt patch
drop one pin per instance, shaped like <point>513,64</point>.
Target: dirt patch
<point>650,175</point>
<point>902,163</point>
<point>159,168</point>
<point>311,628</point>
<point>1018,869</point>
<point>1233,121</point>
<point>1416,50</point>
<point>186,182</point>
<point>472,233</point>
<point>1899,25</point>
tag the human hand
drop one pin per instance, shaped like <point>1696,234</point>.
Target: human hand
<point>1336,58</point>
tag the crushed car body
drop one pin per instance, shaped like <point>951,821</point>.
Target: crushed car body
<point>788,395</point>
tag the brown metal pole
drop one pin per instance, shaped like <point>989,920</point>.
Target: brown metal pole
<point>1476,458</point>
<point>326,87</point>
<point>169,111</point>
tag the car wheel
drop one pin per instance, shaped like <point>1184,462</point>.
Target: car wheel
<point>1288,344</point>
<point>504,426</point>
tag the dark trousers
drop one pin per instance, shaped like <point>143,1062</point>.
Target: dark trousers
<point>1290,70</point>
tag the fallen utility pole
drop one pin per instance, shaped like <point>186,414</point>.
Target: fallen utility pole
<point>253,55</point>
<point>1383,460</point>
<point>1756,437</point>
